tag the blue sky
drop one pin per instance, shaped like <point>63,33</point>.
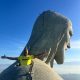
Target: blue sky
<point>17,18</point>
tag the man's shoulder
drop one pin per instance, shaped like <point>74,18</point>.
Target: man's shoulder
<point>24,57</point>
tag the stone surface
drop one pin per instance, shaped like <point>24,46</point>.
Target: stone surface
<point>40,71</point>
<point>44,72</point>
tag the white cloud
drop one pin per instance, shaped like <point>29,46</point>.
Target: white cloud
<point>75,44</point>
<point>67,68</point>
<point>6,61</point>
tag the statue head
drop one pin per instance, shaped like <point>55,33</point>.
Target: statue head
<point>51,30</point>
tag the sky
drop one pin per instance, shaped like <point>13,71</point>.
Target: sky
<point>17,18</point>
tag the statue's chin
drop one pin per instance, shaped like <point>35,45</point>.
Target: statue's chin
<point>59,57</point>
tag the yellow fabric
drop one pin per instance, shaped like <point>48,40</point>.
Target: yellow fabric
<point>25,60</point>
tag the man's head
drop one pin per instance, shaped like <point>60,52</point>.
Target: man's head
<point>26,52</point>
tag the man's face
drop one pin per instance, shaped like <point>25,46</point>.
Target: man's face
<point>26,52</point>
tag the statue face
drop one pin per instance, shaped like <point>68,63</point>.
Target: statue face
<point>64,45</point>
<point>67,38</point>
